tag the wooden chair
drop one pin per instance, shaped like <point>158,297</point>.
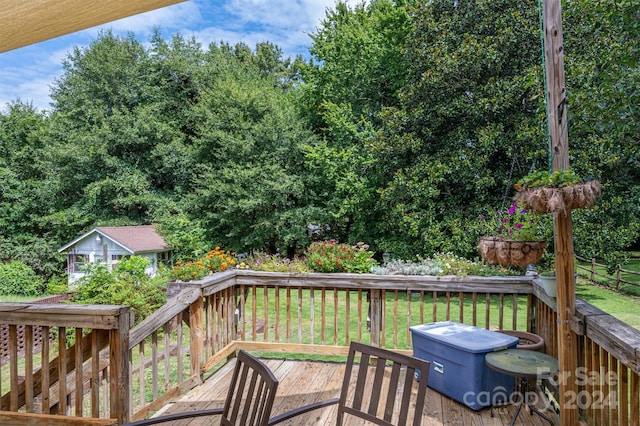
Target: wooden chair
<point>249,402</point>
<point>380,373</point>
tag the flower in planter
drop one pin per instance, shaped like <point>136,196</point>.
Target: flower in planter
<point>515,238</point>
<point>517,223</point>
<point>331,256</point>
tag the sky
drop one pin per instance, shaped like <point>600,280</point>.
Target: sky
<point>26,74</point>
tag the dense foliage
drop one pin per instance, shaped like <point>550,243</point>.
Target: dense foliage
<point>127,285</point>
<point>18,279</point>
<point>410,121</point>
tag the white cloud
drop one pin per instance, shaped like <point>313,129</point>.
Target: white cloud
<point>28,72</point>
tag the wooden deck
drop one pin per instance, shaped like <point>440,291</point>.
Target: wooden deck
<point>303,382</point>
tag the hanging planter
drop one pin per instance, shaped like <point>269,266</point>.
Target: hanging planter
<point>558,192</point>
<point>508,252</point>
<point>560,200</point>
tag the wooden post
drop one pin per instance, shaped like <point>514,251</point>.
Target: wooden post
<point>557,116</point>
<point>119,388</point>
<point>196,340</point>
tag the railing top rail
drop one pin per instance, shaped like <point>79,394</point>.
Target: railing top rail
<point>103,317</point>
<point>513,284</point>
<point>616,337</point>
<point>163,315</point>
<point>222,280</point>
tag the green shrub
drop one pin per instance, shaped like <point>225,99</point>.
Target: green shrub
<point>58,285</point>
<point>275,263</point>
<point>18,279</point>
<point>128,285</point>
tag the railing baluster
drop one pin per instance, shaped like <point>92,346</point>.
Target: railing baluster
<point>167,355</point>
<point>44,367</point>
<point>448,306</point>
<point>359,315</point>
<point>487,309</point>
<point>474,308</point>
<point>265,301</point>
<point>13,366</point>
<point>79,384</point>
<point>276,291</point>
<point>28,368</point>
<point>288,295</point>
<point>335,317</point>
<point>347,314</point>
<point>395,319</point>
<point>254,298</point>
<point>154,363</point>
<point>62,368</point>
<point>501,312</point>
<point>179,349</point>
<point>434,314</point>
<point>299,314</point>
<point>95,376</point>
<point>312,315</point>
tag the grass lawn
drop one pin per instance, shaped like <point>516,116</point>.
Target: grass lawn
<point>623,307</point>
<point>10,298</point>
<point>605,279</point>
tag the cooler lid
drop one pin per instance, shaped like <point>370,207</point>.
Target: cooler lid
<point>465,337</point>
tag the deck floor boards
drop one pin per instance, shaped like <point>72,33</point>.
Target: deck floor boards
<point>303,382</point>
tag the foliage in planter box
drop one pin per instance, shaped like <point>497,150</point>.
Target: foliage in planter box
<point>557,192</point>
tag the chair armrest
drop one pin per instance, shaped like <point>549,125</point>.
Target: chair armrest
<point>302,410</point>
<point>176,416</point>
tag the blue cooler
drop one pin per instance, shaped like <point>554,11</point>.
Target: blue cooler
<point>456,352</point>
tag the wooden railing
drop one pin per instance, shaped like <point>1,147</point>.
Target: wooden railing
<point>82,371</point>
<point>608,375</point>
<point>205,322</point>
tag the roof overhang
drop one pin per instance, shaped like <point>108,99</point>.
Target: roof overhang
<point>25,22</point>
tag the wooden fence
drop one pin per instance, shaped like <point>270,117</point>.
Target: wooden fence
<point>593,275</point>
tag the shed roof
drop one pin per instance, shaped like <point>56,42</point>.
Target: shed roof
<point>136,239</point>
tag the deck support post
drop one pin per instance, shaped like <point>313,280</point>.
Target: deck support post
<point>558,138</point>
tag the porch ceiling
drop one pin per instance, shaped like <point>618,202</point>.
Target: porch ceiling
<point>27,22</point>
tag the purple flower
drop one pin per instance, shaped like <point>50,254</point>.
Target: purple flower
<point>512,210</point>
<point>518,225</point>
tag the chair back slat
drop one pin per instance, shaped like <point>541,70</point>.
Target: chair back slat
<point>388,379</point>
<point>251,394</point>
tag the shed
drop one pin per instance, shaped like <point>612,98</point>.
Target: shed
<point>110,244</point>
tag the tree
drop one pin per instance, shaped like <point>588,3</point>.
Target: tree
<point>358,70</point>
<point>470,122</point>
<point>26,194</point>
<point>603,81</point>
<point>250,193</point>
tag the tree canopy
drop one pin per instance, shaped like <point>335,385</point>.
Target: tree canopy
<point>408,121</point>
